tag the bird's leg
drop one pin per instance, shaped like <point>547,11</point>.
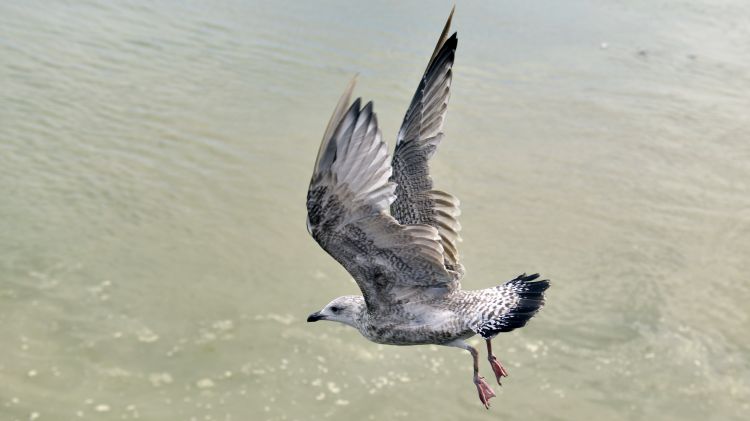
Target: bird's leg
<point>495,364</point>
<point>485,393</point>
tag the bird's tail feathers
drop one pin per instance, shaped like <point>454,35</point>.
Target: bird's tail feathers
<point>527,293</point>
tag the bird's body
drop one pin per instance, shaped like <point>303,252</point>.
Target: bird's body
<point>457,315</point>
<point>382,220</point>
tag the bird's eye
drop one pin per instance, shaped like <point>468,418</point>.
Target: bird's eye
<point>335,309</point>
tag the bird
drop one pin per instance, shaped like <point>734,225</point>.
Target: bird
<point>397,236</point>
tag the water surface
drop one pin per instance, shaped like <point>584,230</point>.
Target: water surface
<point>155,156</point>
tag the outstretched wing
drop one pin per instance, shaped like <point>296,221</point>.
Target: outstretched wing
<point>347,212</point>
<point>421,131</point>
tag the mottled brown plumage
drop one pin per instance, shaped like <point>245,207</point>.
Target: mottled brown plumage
<point>397,236</point>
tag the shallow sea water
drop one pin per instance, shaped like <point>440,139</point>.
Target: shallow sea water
<point>155,156</point>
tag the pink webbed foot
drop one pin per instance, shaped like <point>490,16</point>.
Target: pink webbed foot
<point>498,368</point>
<point>484,390</point>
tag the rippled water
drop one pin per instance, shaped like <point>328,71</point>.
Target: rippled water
<point>154,159</point>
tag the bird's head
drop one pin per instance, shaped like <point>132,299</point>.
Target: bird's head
<point>346,310</point>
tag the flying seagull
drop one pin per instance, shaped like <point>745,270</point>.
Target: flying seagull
<point>382,220</point>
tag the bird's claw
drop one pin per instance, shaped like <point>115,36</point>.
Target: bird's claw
<point>498,368</point>
<point>484,390</point>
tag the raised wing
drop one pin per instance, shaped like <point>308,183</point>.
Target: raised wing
<point>347,212</point>
<point>421,131</point>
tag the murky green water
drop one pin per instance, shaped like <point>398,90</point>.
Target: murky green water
<point>154,158</point>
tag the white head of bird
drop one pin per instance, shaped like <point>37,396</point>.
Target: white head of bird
<point>347,310</point>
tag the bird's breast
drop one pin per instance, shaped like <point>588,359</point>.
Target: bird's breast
<point>414,325</point>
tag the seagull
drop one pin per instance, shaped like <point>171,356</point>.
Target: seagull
<point>382,220</point>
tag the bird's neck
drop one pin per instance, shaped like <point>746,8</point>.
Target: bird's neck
<point>361,316</point>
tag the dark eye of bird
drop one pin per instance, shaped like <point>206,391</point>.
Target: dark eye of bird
<point>335,309</point>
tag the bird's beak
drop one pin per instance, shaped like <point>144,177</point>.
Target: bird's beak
<point>315,317</point>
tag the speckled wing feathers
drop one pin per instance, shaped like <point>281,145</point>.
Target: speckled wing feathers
<point>348,201</point>
<point>421,131</point>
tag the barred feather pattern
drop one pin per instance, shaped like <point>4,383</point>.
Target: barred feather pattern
<point>505,307</point>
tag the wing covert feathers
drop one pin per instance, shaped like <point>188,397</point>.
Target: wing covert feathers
<point>347,205</point>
